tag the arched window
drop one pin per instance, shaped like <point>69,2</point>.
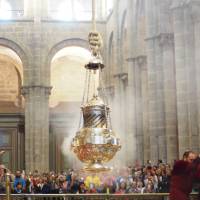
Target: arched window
<point>5,10</point>
<point>68,74</point>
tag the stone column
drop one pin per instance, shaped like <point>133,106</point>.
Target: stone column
<point>181,83</point>
<point>36,127</point>
<point>135,110</point>
<point>151,28</point>
<point>152,99</point>
<point>131,112</point>
<point>160,115</point>
<point>138,108</point>
<point>196,17</point>
<point>191,79</point>
<point>156,100</point>
<point>170,110</point>
<point>145,109</point>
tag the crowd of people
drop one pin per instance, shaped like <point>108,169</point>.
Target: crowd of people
<point>144,179</point>
<point>139,179</point>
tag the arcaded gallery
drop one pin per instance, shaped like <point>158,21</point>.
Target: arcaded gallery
<point>99,87</point>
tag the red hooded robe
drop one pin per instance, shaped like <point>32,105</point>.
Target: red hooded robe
<point>181,180</point>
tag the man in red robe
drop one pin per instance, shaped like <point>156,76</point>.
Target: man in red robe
<point>197,175</point>
<point>182,177</point>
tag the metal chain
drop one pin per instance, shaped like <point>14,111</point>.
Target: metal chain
<point>94,15</point>
<point>88,86</point>
<point>83,99</point>
<point>107,114</point>
<point>85,87</point>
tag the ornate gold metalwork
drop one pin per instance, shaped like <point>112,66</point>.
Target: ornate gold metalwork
<point>95,142</point>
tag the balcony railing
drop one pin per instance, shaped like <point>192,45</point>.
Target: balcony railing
<point>146,196</point>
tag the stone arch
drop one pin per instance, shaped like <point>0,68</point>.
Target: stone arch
<point>62,44</point>
<point>66,43</point>
<point>19,51</point>
<point>15,63</point>
<point>19,71</point>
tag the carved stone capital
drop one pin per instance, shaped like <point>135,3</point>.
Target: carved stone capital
<point>26,90</point>
<point>122,76</point>
<point>141,61</point>
<point>193,7</point>
<point>166,39</point>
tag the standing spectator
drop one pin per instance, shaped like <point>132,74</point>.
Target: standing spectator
<point>74,187</point>
<point>62,184</point>
<point>69,179</point>
<point>82,188</point>
<point>149,187</point>
<point>132,187</point>
<point>19,183</point>
<point>139,187</point>
<point>54,184</point>
<point>122,187</point>
<point>182,177</point>
<point>196,167</point>
<point>46,187</point>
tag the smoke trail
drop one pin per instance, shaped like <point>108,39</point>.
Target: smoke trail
<point>70,158</point>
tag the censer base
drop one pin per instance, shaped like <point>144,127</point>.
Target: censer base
<point>96,167</point>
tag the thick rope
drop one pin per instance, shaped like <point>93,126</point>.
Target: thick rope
<point>93,15</point>
<point>94,38</point>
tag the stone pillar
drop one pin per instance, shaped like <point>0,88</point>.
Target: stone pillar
<point>156,100</point>
<point>151,28</point>
<point>152,99</point>
<point>138,108</point>
<point>36,127</point>
<point>191,78</point>
<point>181,84</point>
<point>135,112</point>
<point>167,45</point>
<point>131,112</point>
<point>160,112</point>
<point>145,109</point>
<point>196,17</point>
